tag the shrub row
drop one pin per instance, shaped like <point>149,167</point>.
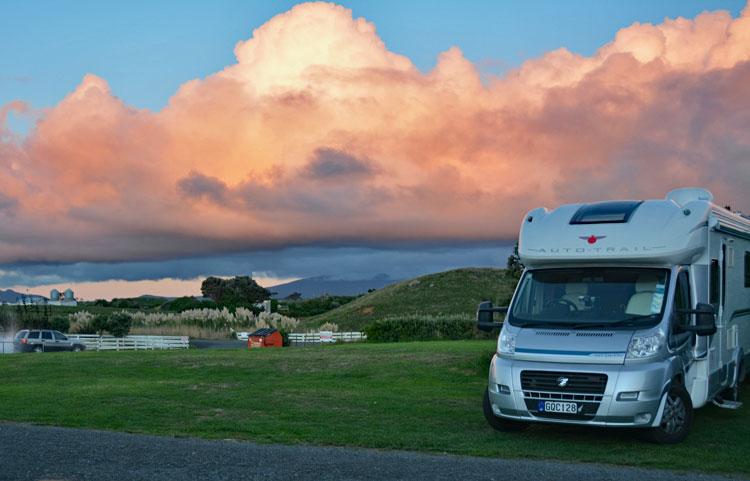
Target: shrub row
<point>420,328</point>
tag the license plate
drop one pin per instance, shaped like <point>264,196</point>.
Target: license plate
<point>558,407</point>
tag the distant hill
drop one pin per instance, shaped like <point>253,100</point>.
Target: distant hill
<point>11,295</point>
<point>451,293</point>
<point>318,286</point>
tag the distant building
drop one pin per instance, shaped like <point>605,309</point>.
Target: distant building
<point>56,298</point>
<point>66,298</point>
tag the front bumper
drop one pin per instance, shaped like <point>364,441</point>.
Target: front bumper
<point>650,380</point>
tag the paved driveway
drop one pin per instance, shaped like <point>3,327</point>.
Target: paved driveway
<point>50,453</point>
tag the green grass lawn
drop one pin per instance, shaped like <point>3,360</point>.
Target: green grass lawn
<point>415,396</point>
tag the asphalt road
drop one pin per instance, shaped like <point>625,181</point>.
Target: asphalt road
<point>55,454</point>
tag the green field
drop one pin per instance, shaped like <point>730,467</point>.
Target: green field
<point>451,293</point>
<point>414,396</point>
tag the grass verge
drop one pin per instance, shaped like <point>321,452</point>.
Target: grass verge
<point>417,396</point>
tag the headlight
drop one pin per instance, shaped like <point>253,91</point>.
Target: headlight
<point>506,343</point>
<point>645,346</point>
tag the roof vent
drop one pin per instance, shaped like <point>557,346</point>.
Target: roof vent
<point>612,212</point>
<point>686,195</point>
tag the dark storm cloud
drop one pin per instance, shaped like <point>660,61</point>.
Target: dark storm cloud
<point>336,262</point>
<point>331,163</point>
<point>197,185</point>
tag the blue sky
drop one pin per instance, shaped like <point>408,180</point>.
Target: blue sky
<point>145,50</point>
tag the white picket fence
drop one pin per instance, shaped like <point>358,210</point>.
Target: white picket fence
<point>325,337</point>
<point>130,343</point>
<point>6,347</point>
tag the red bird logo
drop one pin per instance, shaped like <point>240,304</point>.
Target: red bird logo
<point>592,238</point>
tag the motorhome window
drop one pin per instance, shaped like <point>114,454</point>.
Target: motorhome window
<point>605,212</point>
<point>593,295</point>
<point>681,303</point>
<point>723,275</point>
<point>713,294</point>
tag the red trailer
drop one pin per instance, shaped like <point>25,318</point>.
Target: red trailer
<point>265,337</point>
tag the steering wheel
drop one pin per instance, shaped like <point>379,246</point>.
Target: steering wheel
<point>564,302</point>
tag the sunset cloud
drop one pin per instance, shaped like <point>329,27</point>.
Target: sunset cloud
<point>319,135</point>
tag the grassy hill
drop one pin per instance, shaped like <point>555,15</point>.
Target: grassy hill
<point>453,293</point>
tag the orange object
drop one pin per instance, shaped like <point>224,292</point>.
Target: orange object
<point>265,337</point>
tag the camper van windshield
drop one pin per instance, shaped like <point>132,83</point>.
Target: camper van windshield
<point>591,297</point>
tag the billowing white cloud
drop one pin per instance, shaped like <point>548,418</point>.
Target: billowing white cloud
<point>318,135</point>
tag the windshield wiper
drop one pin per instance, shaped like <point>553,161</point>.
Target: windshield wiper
<point>627,322</point>
<point>546,324</point>
<point>638,318</point>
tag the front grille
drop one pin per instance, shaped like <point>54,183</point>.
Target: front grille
<point>577,382</point>
<point>560,396</point>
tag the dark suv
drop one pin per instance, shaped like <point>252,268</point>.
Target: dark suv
<point>44,340</point>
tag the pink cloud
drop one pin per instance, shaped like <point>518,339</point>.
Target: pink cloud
<point>319,134</point>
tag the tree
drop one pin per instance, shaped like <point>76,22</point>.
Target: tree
<point>238,291</point>
<point>119,324</point>
<point>213,288</point>
<point>514,267</point>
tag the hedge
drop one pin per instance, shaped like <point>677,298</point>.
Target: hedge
<point>401,329</point>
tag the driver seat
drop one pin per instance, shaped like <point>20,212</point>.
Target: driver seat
<point>574,292</point>
<point>640,302</point>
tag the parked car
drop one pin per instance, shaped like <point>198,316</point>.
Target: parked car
<point>44,340</point>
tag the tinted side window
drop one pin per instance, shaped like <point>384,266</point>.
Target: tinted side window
<point>46,335</point>
<point>33,335</point>
<point>714,281</point>
<point>682,300</point>
<point>59,336</point>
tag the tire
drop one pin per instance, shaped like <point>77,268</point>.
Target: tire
<point>677,418</point>
<point>38,349</point>
<point>497,423</point>
<point>77,349</point>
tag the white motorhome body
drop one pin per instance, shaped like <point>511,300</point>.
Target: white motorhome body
<point>602,327</point>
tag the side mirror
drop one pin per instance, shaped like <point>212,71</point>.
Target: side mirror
<point>486,316</point>
<point>705,320</point>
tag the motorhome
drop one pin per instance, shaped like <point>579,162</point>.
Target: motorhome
<point>628,314</point>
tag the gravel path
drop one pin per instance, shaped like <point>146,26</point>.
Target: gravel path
<point>55,454</point>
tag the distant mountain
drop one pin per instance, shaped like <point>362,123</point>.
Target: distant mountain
<point>12,296</point>
<point>321,285</point>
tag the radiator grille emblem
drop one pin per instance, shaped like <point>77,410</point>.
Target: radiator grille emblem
<point>562,381</point>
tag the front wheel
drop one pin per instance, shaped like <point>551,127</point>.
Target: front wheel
<point>497,423</point>
<point>677,418</point>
